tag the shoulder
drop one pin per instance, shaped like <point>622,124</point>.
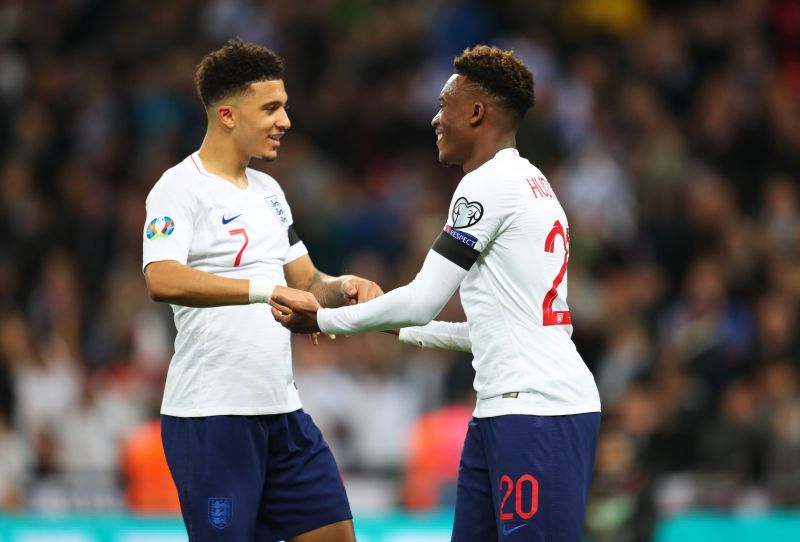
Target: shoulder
<point>264,181</point>
<point>504,174</point>
<point>178,182</point>
<point>506,165</point>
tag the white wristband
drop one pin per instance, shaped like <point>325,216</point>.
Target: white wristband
<point>260,291</point>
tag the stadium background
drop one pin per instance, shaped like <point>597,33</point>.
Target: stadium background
<point>669,128</point>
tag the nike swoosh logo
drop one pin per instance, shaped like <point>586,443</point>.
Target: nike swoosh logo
<point>508,530</point>
<point>226,220</point>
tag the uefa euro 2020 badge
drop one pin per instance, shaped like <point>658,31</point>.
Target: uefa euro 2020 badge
<point>160,228</point>
<point>277,209</point>
<point>220,512</point>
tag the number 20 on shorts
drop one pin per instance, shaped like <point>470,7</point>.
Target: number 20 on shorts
<point>526,508</point>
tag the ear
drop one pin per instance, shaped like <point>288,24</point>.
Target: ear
<point>225,116</point>
<point>478,111</point>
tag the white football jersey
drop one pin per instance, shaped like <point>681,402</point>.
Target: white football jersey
<point>515,294</point>
<point>230,359</point>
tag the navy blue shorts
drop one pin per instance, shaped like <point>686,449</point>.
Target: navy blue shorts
<point>525,478</point>
<point>246,478</point>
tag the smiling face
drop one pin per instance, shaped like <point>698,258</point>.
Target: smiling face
<point>452,122</point>
<point>260,119</point>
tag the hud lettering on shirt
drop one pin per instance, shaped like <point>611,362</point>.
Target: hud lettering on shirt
<point>540,187</point>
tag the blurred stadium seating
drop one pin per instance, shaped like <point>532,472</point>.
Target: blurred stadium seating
<point>669,129</point>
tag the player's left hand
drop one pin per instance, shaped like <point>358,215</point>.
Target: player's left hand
<point>297,314</point>
<point>358,290</point>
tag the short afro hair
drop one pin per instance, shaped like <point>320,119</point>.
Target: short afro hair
<point>499,73</point>
<point>231,69</point>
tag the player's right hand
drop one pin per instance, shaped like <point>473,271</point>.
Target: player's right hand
<point>359,290</point>
<point>296,310</point>
<point>292,299</point>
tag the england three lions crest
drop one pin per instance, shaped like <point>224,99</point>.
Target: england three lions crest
<point>277,209</point>
<point>220,511</point>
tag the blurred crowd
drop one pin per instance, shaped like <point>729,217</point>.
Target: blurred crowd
<point>670,131</point>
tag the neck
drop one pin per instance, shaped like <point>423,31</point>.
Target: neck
<point>486,149</point>
<point>221,158</point>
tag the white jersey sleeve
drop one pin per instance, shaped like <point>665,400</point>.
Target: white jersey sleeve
<point>279,207</point>
<point>476,206</point>
<point>296,247</point>
<point>479,210</point>
<point>438,334</point>
<point>170,223</point>
<point>414,304</point>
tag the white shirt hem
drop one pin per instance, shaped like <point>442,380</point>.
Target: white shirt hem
<point>230,411</point>
<point>526,403</point>
<point>531,411</point>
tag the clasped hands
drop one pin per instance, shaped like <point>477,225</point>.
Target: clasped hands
<point>296,310</point>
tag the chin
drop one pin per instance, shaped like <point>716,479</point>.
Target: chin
<point>269,156</point>
<point>446,160</point>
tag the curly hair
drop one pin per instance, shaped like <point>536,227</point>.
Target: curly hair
<point>499,73</point>
<point>232,68</point>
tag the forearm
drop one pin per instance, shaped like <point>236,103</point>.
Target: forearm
<point>437,334</point>
<point>415,304</point>
<point>172,282</point>
<point>327,289</point>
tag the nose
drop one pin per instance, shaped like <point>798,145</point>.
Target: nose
<point>283,120</point>
<point>435,119</point>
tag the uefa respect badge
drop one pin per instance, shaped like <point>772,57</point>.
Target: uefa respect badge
<point>160,228</point>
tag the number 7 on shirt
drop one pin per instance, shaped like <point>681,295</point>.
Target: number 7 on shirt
<point>240,231</point>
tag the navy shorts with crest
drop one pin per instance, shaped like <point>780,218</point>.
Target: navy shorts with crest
<point>525,478</point>
<point>253,478</point>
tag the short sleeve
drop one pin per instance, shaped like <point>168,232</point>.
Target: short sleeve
<point>296,247</point>
<point>169,225</point>
<point>279,206</point>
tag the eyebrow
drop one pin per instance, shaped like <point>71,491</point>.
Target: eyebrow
<point>274,103</point>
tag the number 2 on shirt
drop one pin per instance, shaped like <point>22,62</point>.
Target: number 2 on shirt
<point>551,317</point>
<point>240,231</point>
